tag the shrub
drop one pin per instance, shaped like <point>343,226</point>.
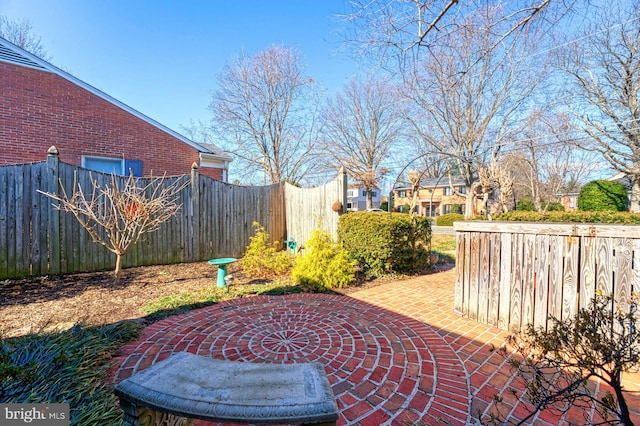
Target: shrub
<point>579,217</point>
<point>324,265</point>
<point>385,243</point>
<point>554,207</point>
<point>526,204</point>
<point>448,219</point>
<point>557,365</point>
<point>456,208</point>
<point>601,195</point>
<point>262,260</point>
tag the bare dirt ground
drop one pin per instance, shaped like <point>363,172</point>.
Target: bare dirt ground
<point>49,303</point>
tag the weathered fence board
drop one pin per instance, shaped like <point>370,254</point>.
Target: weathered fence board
<point>555,278</point>
<point>215,219</point>
<point>494,280</point>
<point>12,234</point>
<point>310,209</point>
<point>541,280</point>
<point>587,271</point>
<point>545,270</point>
<point>505,281</point>
<point>570,276</point>
<point>4,229</point>
<point>474,276</point>
<point>528,280</point>
<point>515,313</point>
<point>460,274</point>
<point>483,278</point>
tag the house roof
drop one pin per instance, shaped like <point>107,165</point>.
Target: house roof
<point>13,54</point>
<point>438,182</point>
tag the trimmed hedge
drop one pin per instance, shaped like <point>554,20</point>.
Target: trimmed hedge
<point>554,206</point>
<point>385,242</point>
<point>601,195</point>
<point>448,219</point>
<point>578,217</point>
<point>526,204</point>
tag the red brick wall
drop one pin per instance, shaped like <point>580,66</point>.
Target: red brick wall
<point>39,109</point>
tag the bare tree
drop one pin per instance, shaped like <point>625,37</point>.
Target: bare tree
<point>402,30</point>
<point>558,364</point>
<point>604,67</point>
<point>545,158</point>
<point>360,125</point>
<point>20,33</point>
<point>265,112</point>
<point>497,180</point>
<point>466,95</point>
<point>118,214</point>
<point>199,131</point>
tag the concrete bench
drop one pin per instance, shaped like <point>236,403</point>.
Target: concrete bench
<point>187,386</point>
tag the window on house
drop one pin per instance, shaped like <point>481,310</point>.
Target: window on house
<point>351,193</point>
<point>447,190</point>
<point>116,166</point>
<point>373,194</point>
<point>447,208</point>
<point>364,193</point>
<point>462,189</point>
<point>104,165</point>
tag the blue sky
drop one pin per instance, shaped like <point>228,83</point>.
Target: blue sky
<point>162,57</point>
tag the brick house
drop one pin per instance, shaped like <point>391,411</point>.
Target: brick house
<point>435,197</point>
<point>41,106</point>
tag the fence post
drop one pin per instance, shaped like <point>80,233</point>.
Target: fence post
<point>195,213</point>
<point>342,188</point>
<point>52,187</point>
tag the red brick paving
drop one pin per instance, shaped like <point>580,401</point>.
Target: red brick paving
<point>395,354</point>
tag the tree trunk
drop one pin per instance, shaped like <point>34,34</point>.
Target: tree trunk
<point>616,384</point>
<point>634,205</point>
<point>469,203</point>
<point>118,272</point>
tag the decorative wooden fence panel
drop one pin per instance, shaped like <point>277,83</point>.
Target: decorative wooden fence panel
<point>215,220</point>
<point>309,209</point>
<point>510,274</point>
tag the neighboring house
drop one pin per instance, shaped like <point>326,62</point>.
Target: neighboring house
<point>41,106</point>
<point>569,201</point>
<point>435,197</point>
<point>357,198</point>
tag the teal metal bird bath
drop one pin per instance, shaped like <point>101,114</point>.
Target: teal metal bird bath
<point>222,269</point>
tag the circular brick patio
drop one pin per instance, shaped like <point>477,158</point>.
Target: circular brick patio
<point>384,368</point>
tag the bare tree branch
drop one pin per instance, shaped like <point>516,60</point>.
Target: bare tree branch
<point>466,96</point>
<point>265,112</point>
<point>604,68</point>
<point>20,33</point>
<point>387,29</point>
<point>360,125</point>
<point>118,214</point>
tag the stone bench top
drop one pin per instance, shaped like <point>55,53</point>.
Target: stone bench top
<point>196,387</point>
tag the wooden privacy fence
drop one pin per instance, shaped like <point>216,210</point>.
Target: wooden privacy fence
<point>215,220</point>
<point>309,209</point>
<point>510,274</point>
